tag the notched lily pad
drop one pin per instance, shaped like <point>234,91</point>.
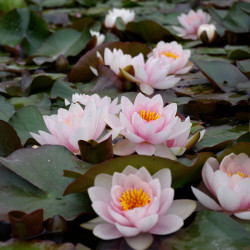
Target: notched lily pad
<point>181,173</point>
<point>33,179</point>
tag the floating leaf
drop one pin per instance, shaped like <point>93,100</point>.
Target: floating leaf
<point>33,179</point>
<point>68,42</point>
<point>27,119</point>
<point>9,140</point>
<point>6,109</point>
<point>62,89</point>
<point>142,29</point>
<point>223,135</point>
<point>181,173</point>
<point>221,74</point>
<point>211,230</point>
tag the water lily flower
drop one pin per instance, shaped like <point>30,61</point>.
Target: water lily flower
<point>67,127</point>
<point>151,75</point>
<point>191,22</point>
<point>174,55</point>
<point>206,32</point>
<point>113,107</point>
<point>126,16</point>
<point>99,37</point>
<point>115,59</point>
<point>229,183</point>
<point>148,126</point>
<point>133,204</point>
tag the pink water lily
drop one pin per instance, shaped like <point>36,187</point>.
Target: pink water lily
<point>113,106</point>
<point>191,22</point>
<point>133,204</point>
<point>229,183</point>
<point>67,127</point>
<point>148,127</point>
<point>152,75</point>
<point>173,55</point>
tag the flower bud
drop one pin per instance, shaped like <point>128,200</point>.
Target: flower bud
<point>206,33</point>
<point>62,63</point>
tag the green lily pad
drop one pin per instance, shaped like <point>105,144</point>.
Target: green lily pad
<point>222,75</point>
<point>62,89</point>
<point>27,119</point>
<point>210,230</point>
<point>142,29</point>
<point>223,135</point>
<point>244,66</point>
<point>7,5</point>
<point>9,140</point>
<point>6,109</point>
<point>181,173</point>
<point>33,179</point>
<point>68,42</point>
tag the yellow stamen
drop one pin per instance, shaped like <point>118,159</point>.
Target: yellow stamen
<point>240,174</point>
<point>149,116</point>
<point>67,122</point>
<point>134,198</point>
<point>170,54</point>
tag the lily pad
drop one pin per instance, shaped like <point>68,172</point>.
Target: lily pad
<point>6,109</point>
<point>181,173</point>
<point>211,230</point>
<point>224,134</point>
<point>28,184</point>
<point>222,75</point>
<point>27,119</point>
<point>9,140</point>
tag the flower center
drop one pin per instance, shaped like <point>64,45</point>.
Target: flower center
<point>170,54</point>
<point>240,174</point>
<point>149,116</point>
<point>134,198</point>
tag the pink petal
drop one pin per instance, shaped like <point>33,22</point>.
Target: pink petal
<point>145,149</point>
<point>182,208</point>
<point>146,88</point>
<point>135,214</point>
<point>205,200</point>
<point>164,152</point>
<point>127,231</point>
<point>164,176</point>
<point>145,224</point>
<point>167,224</point>
<point>99,194</point>
<point>140,241</point>
<point>124,147</point>
<point>167,196</point>
<point>104,181</point>
<point>243,215</point>
<point>119,218</point>
<point>101,209</point>
<point>228,199</point>
<point>106,232</point>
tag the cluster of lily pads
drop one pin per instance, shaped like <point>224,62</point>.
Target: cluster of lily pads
<point>124,120</point>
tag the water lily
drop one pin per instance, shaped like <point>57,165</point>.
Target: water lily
<point>113,107</point>
<point>173,55</point>
<point>229,183</point>
<point>99,37</point>
<point>115,59</point>
<point>67,127</point>
<point>151,75</point>
<point>191,22</point>
<point>206,32</point>
<point>148,127</point>
<point>133,204</point>
<point>126,16</point>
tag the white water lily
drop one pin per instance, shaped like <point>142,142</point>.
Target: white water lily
<point>126,16</point>
<point>99,37</point>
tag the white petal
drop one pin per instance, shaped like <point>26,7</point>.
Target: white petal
<point>140,242</point>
